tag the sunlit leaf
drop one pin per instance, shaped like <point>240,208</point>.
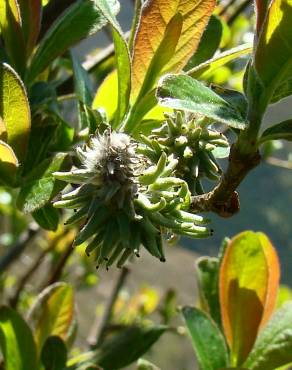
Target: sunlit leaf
<point>123,63</point>
<point>273,55</point>
<point>80,20</point>
<point>249,277</point>
<point>8,164</point>
<point>52,313</point>
<point>206,69</point>
<point>107,95</point>
<point>185,93</point>
<point>14,110</point>
<point>16,340</point>
<point>273,347</point>
<point>207,340</point>
<point>31,14</point>
<point>156,15</point>
<point>10,27</point>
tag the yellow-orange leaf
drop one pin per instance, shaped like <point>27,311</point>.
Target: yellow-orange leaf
<point>8,164</point>
<point>155,16</point>
<point>249,279</point>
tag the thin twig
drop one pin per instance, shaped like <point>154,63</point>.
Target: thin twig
<point>223,199</point>
<point>238,11</point>
<point>226,7</point>
<point>98,331</point>
<point>24,279</point>
<point>58,270</point>
<point>17,249</point>
<point>279,163</point>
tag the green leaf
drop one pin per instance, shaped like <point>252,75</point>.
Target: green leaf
<point>273,54</point>
<point>146,365</point>
<point>131,343</point>
<point>82,83</point>
<point>208,279</point>
<point>54,354</point>
<point>80,20</point>
<point>185,93</point>
<point>8,164</point>
<point>282,130</point>
<point>209,43</point>
<point>123,62</point>
<point>40,186</point>
<point>207,340</point>
<point>206,69</point>
<point>16,340</point>
<point>11,31</point>
<point>273,347</point>
<point>47,217</point>
<point>14,110</point>
<point>52,314</point>
<point>31,15</point>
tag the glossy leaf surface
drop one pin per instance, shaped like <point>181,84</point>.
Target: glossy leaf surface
<point>14,110</point>
<point>16,340</point>
<point>249,278</point>
<point>185,93</point>
<point>156,15</point>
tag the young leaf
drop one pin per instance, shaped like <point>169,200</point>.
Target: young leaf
<point>247,302</point>
<point>273,347</point>
<point>11,31</point>
<point>16,341</point>
<point>185,93</point>
<point>163,54</point>
<point>52,313</point>
<point>208,276</point>
<point>123,63</point>
<point>207,340</point>
<point>40,185</point>
<point>14,110</point>
<point>8,164</point>
<point>31,14</point>
<point>209,43</point>
<point>282,130</point>
<point>80,20</point>
<point>155,17</point>
<point>54,354</point>
<point>130,344</point>
<point>273,55</point>
<point>205,70</point>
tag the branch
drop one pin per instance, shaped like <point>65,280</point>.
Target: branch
<point>98,331</point>
<point>223,199</point>
<point>16,250</point>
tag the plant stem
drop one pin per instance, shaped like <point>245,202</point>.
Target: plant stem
<point>244,156</point>
<point>58,270</point>
<point>16,250</point>
<point>98,331</point>
<point>24,279</point>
